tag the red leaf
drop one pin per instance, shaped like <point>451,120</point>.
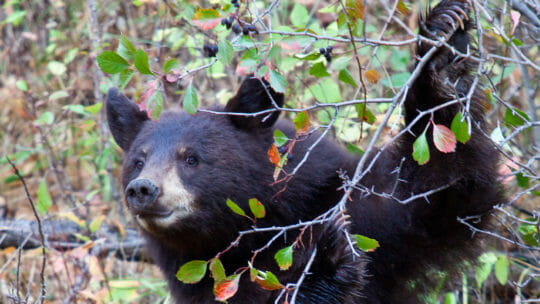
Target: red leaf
<point>444,139</point>
<point>225,289</point>
<point>206,24</point>
<point>273,155</point>
<point>149,90</point>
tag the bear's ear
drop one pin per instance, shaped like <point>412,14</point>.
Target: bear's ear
<point>124,118</point>
<point>255,95</point>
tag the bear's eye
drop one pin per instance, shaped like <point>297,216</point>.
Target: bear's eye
<point>139,164</point>
<point>191,160</point>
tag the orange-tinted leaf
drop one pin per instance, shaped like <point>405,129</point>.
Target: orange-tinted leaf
<point>225,289</point>
<point>301,122</point>
<point>273,155</point>
<point>402,8</point>
<point>356,8</point>
<point>444,139</point>
<point>268,281</point>
<point>257,208</point>
<point>206,18</point>
<point>373,76</point>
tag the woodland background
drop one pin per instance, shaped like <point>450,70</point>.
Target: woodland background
<point>63,226</point>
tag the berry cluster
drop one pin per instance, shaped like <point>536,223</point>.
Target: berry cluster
<point>210,50</point>
<point>326,52</point>
<point>227,22</point>
<point>248,28</point>
<point>235,3</point>
<point>237,29</point>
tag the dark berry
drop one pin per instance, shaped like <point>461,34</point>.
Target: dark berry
<point>328,57</point>
<point>210,50</point>
<point>329,49</point>
<point>245,30</point>
<point>322,51</point>
<point>236,29</point>
<point>251,28</point>
<point>224,21</point>
<point>231,20</point>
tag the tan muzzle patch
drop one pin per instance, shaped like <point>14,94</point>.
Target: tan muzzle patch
<point>172,195</point>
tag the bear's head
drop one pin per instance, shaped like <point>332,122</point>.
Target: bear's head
<point>179,171</point>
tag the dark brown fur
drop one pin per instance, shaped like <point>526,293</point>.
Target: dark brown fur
<point>232,162</point>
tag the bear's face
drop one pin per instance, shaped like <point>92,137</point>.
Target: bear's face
<point>182,168</point>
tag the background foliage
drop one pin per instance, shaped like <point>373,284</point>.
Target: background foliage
<point>172,54</point>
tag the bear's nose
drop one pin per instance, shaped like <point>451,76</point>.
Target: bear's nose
<point>141,193</point>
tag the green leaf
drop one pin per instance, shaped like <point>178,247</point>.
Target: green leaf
<point>279,138</point>
<point>284,257</point>
<point>365,243</point>
<point>364,113</point>
<point>58,95</point>
<point>126,49</point>
<point>235,208</point>
<point>141,62</point>
<point>487,260</point>
<point>398,80</point>
<point>347,78</point>
<point>460,128</point>
<point>502,267</point>
<point>512,117</point>
<point>192,272</point>
<point>257,208</point>
<point>529,233</point>
<point>79,109</point>
<point>225,51</point>
<point>421,149</point>
<point>22,85</point>
<point>111,63</point>
<point>96,223</point>
<point>277,82</point>
<point>217,270</point>
<point>46,118</point>
<point>94,109</point>
<point>190,102</point>
<point>44,197</point>
<point>522,181</point>
<point>326,91</point>
<point>56,68</point>
<point>15,18</point>
<point>450,297</point>
<point>155,102</point>
<point>70,55</point>
<point>319,70</point>
<point>124,78</point>
<point>299,15</point>
<point>354,149</point>
<point>309,56</point>
<point>170,64</point>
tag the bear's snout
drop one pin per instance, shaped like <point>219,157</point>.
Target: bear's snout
<point>141,193</point>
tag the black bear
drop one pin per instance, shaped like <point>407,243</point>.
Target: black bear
<point>179,172</point>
